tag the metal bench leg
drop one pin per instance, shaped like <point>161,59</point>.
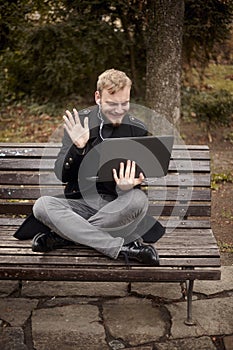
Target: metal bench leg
<point>189,321</point>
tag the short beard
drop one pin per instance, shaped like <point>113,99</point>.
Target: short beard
<point>116,125</point>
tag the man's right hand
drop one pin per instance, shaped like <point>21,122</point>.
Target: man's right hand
<point>79,134</point>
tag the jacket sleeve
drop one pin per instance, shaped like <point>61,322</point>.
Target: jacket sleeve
<point>68,160</point>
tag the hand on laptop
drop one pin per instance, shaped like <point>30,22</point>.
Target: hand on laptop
<point>126,179</point>
<point>79,134</point>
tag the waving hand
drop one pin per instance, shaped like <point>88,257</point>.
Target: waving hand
<point>79,134</point>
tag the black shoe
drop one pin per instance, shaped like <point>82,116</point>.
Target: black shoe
<point>145,254</point>
<point>45,242</point>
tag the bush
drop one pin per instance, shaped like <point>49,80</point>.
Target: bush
<point>211,108</point>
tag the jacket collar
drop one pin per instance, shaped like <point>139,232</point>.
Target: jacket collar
<point>95,122</point>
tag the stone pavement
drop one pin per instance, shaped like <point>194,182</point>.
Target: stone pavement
<point>105,316</point>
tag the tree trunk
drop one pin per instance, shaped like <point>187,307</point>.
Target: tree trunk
<point>164,48</point>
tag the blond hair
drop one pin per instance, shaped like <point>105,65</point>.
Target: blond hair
<point>113,80</point>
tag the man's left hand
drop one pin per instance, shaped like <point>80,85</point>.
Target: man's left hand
<point>126,179</point>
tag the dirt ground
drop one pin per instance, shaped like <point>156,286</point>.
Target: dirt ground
<point>221,152</point>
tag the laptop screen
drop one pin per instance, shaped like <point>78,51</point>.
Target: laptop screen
<point>151,154</point>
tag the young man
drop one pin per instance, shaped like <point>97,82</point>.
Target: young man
<point>101,215</point>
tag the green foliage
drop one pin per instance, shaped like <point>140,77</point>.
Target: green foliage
<point>225,247</point>
<point>206,23</point>
<point>187,96</point>
<point>213,108</point>
<point>229,137</point>
<point>13,22</point>
<point>52,49</point>
<point>219,77</point>
<point>66,44</point>
<point>221,178</point>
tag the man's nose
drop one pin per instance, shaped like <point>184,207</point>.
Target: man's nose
<point>119,109</point>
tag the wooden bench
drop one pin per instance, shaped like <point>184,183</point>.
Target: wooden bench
<point>181,201</point>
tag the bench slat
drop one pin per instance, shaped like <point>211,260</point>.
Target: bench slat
<point>58,144</point>
<point>166,248</point>
<point>26,192</point>
<point>157,210</point>
<point>172,239</point>
<point>189,223</point>
<point>75,255</point>
<point>51,152</point>
<point>179,210</point>
<point>48,164</point>
<point>172,260</point>
<point>48,178</point>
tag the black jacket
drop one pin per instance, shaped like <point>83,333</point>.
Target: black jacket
<point>70,157</point>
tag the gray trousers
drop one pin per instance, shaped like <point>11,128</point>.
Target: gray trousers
<point>100,222</point>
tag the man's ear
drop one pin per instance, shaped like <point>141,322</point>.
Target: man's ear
<point>97,97</point>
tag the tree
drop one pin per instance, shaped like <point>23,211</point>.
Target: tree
<point>164,47</point>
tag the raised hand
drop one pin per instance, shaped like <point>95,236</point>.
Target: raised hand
<point>126,179</point>
<point>79,134</point>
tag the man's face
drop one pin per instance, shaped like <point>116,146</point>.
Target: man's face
<point>114,106</point>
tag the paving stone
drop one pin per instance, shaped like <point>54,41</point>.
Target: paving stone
<point>73,327</point>
<point>7,287</point>
<point>171,291</point>
<point>64,301</point>
<point>212,316</point>
<point>12,338</point>
<point>51,288</point>
<point>228,342</point>
<point>16,311</point>
<point>134,320</point>
<point>213,287</point>
<point>204,343</point>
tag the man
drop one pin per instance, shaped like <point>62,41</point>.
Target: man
<point>101,215</point>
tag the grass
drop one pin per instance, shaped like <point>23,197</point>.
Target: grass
<point>225,247</point>
<point>220,178</point>
<point>216,77</point>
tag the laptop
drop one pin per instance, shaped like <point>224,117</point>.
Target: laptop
<point>151,154</point>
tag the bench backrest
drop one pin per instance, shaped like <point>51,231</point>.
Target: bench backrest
<point>26,172</point>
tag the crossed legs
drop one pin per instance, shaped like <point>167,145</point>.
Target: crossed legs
<point>99,222</point>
